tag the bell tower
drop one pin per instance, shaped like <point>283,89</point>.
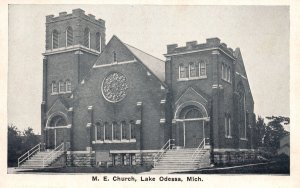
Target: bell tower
<point>73,43</point>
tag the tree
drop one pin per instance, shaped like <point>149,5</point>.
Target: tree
<point>19,143</point>
<point>14,148</point>
<point>274,132</point>
<point>260,130</point>
<point>29,139</point>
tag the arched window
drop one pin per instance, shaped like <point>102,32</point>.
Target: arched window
<point>69,36</point>
<point>192,67</point>
<point>202,69</point>
<point>182,71</point>
<point>53,87</point>
<point>68,86</point>
<point>61,86</point>
<point>87,38</point>
<point>242,110</point>
<point>55,40</point>
<point>98,42</point>
<point>229,74</point>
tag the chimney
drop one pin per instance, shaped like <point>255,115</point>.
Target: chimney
<point>91,16</point>
<point>49,17</point>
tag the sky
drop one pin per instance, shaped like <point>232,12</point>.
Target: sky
<point>261,32</point>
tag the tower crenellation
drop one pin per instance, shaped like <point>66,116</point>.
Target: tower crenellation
<point>193,45</point>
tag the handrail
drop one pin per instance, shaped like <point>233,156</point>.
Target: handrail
<point>165,147</point>
<point>28,154</point>
<point>198,149</point>
<point>53,153</point>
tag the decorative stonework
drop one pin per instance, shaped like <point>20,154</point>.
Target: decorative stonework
<point>114,87</point>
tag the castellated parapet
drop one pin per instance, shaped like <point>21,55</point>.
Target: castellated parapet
<point>75,13</point>
<point>194,46</point>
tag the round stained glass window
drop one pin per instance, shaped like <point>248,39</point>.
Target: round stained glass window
<point>114,87</point>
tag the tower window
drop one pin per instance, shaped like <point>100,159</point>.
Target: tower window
<point>68,86</point>
<point>55,40</point>
<point>192,70</point>
<point>98,42</point>
<point>61,86</point>
<point>182,71</point>
<point>53,88</point>
<point>202,69</point>
<point>87,38</point>
<point>69,36</point>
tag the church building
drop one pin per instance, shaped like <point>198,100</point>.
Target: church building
<point>108,103</point>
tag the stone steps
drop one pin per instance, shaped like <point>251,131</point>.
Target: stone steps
<point>36,161</point>
<point>179,160</point>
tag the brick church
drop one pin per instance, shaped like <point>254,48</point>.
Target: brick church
<point>110,103</point>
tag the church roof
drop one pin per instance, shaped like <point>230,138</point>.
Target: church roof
<point>155,65</point>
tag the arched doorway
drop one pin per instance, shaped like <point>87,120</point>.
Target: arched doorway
<point>191,126</point>
<point>55,132</point>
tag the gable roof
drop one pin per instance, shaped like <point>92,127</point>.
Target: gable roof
<point>155,65</point>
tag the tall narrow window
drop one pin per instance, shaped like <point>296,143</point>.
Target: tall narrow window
<point>53,87</point>
<point>115,56</point>
<point>132,130</point>
<point>229,74</point>
<point>123,129</point>
<point>229,126</point>
<point>226,126</point>
<point>116,131</point>
<point>242,110</point>
<point>69,36</point>
<point>98,131</point>
<point>55,39</point>
<point>61,87</point>
<point>87,38</point>
<point>98,42</point>
<point>108,129</point>
<point>192,67</point>
<point>202,69</point>
<point>68,86</point>
<point>182,71</point>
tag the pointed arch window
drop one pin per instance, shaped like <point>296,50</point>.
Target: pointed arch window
<point>54,39</point>
<point>53,87</point>
<point>69,36</point>
<point>87,38</point>
<point>242,111</point>
<point>98,42</point>
<point>68,86</point>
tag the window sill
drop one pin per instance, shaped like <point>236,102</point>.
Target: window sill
<point>61,93</point>
<point>228,136</point>
<point>245,139</point>
<point>113,141</point>
<point>191,78</point>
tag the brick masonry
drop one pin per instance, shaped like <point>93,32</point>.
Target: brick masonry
<point>152,105</point>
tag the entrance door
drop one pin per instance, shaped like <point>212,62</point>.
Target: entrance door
<point>55,132</point>
<point>191,131</point>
